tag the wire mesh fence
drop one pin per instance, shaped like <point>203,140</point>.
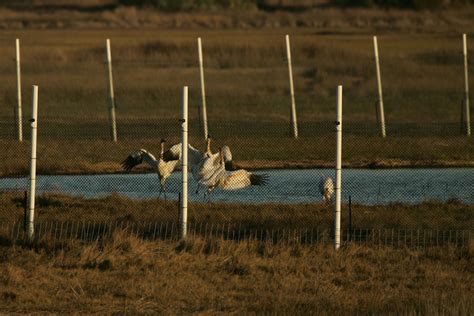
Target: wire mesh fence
<point>404,188</point>
<point>88,231</point>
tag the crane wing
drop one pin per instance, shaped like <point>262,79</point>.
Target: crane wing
<point>174,153</point>
<point>229,166</point>
<point>194,156</point>
<point>242,178</point>
<point>137,158</point>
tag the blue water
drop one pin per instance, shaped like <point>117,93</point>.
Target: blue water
<point>366,186</point>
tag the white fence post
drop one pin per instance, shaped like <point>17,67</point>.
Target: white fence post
<point>379,86</point>
<point>113,125</point>
<point>292,89</point>
<point>184,165</point>
<point>18,111</point>
<point>466,88</point>
<point>337,208</point>
<point>34,129</point>
<point>203,89</point>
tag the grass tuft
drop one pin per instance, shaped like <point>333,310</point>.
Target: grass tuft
<point>122,273</point>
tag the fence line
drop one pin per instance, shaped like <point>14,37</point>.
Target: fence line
<point>380,110</point>
<point>90,231</point>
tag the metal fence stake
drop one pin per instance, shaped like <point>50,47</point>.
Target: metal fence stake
<point>18,112</point>
<point>203,89</point>
<point>467,115</point>
<point>337,211</point>
<point>294,120</point>
<point>112,119</point>
<point>379,88</point>
<point>34,133</point>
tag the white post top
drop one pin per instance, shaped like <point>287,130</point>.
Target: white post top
<point>34,114</point>
<point>109,54</point>
<point>339,106</point>
<point>200,49</point>
<point>376,46</point>
<point>288,50</point>
<point>464,43</point>
<point>17,43</point>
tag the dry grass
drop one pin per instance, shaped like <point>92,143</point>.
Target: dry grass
<point>322,20</point>
<point>429,215</point>
<point>123,274</point>
<point>422,77</point>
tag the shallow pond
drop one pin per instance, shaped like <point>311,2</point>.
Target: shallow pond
<point>365,186</point>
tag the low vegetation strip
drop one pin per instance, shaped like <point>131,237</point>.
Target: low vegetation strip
<point>290,5</point>
<point>124,274</point>
<point>323,20</point>
<point>61,232</point>
<point>429,215</point>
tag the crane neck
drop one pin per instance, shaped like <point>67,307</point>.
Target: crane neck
<point>162,149</point>
<point>208,145</point>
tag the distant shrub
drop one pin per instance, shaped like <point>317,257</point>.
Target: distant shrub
<point>285,4</point>
<point>403,4</point>
<point>180,5</point>
<point>354,3</point>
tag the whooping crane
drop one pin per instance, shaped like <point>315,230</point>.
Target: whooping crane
<point>217,175</point>
<point>164,166</point>
<point>216,169</point>
<point>204,165</point>
<point>326,188</point>
<point>209,169</point>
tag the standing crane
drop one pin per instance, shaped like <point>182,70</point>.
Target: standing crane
<point>326,188</point>
<point>164,166</point>
<point>215,174</point>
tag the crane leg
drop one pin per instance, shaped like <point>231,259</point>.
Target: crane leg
<point>197,188</point>
<point>208,193</point>
<point>162,190</point>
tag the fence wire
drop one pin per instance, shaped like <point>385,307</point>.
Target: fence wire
<point>87,231</point>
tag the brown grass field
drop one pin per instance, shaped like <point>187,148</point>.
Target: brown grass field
<point>125,275</point>
<point>247,89</point>
<point>154,55</point>
<point>429,215</point>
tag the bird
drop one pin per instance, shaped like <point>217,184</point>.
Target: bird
<point>210,161</point>
<point>164,166</point>
<point>326,188</point>
<point>203,165</point>
<point>216,174</point>
<point>217,169</point>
